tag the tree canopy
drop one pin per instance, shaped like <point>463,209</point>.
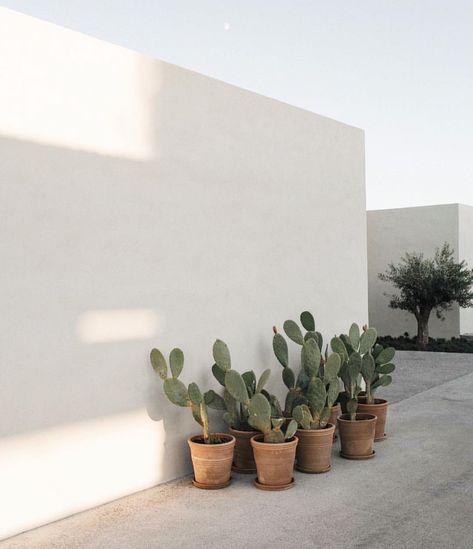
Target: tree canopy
<point>429,284</point>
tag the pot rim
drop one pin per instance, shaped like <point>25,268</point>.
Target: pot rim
<point>367,417</point>
<point>327,429</point>
<point>290,442</point>
<point>377,402</point>
<point>238,431</point>
<point>232,440</point>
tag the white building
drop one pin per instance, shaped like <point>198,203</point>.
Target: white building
<point>145,205</point>
<point>392,233</point>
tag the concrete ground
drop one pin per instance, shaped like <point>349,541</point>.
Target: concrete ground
<point>416,493</point>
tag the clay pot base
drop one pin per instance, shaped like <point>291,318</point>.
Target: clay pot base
<point>243,471</point>
<point>210,486</point>
<point>381,438</point>
<point>270,488</point>
<point>302,470</point>
<point>358,457</point>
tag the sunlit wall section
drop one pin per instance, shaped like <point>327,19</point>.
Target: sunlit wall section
<point>146,205</point>
<point>61,89</point>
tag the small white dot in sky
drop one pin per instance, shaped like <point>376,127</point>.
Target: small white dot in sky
<point>226,26</point>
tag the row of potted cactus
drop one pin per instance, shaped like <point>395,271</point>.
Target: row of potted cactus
<point>267,440</point>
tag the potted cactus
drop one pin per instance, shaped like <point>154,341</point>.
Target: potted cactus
<point>356,430</point>
<point>239,389</point>
<point>211,453</point>
<point>297,386</point>
<point>315,431</point>
<point>274,449</point>
<point>375,370</point>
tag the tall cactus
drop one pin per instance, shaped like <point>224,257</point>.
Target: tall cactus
<point>180,395</point>
<point>322,390</point>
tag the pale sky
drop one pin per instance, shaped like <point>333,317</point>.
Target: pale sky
<point>400,69</point>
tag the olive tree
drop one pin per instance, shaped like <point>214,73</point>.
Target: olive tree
<point>429,285</point>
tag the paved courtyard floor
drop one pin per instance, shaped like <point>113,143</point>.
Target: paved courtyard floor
<point>416,493</point>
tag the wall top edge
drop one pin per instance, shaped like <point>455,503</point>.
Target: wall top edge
<point>431,206</point>
<point>37,20</point>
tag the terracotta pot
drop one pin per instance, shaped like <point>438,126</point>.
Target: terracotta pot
<point>274,463</point>
<point>334,413</point>
<point>357,437</point>
<point>212,462</point>
<point>380,410</point>
<point>243,459</point>
<point>314,451</point>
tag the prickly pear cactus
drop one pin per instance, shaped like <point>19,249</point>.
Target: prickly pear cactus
<point>260,419</point>
<point>239,389</point>
<point>322,390</point>
<point>180,395</point>
<point>362,358</point>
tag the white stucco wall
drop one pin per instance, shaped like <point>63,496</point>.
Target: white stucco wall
<point>145,205</point>
<point>465,246</point>
<point>392,233</point>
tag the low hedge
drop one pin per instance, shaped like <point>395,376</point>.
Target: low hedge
<point>440,345</point>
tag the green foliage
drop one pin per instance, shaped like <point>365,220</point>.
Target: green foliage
<point>260,419</point>
<point>293,332</point>
<point>310,358</point>
<point>180,395</point>
<point>375,371</point>
<point>307,321</point>
<point>429,284</point>
<point>236,386</point>
<point>159,363</point>
<point>440,345</point>
<point>362,357</point>
<point>221,355</point>
<point>239,389</point>
<point>176,392</point>
<point>176,362</point>
<point>280,350</point>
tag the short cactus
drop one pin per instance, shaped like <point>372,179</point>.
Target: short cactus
<point>361,357</point>
<point>260,418</point>
<point>180,395</point>
<point>239,389</point>
<point>375,369</point>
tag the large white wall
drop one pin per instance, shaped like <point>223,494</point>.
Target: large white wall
<point>465,246</point>
<point>392,233</point>
<point>145,205</point>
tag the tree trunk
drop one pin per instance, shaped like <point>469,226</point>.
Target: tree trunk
<point>423,329</point>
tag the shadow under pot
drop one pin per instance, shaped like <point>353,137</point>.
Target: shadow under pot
<point>357,436</point>
<point>380,409</point>
<point>335,412</point>
<point>274,463</point>
<point>243,458</point>
<point>212,462</point>
<point>314,451</point>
